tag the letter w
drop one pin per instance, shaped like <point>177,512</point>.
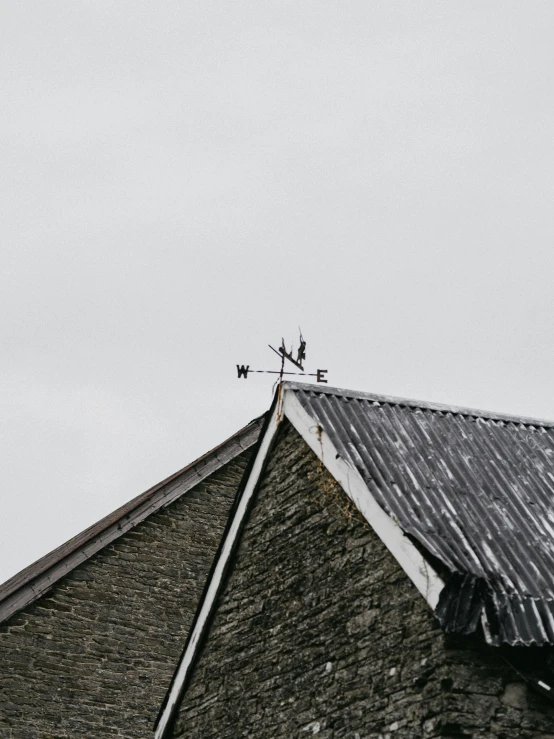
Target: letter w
<point>243,371</point>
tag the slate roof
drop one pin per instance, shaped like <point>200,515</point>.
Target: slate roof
<point>475,490</point>
<point>32,582</point>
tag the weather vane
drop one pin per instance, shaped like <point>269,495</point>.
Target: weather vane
<point>283,354</point>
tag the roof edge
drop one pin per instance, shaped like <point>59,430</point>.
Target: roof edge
<point>219,569</point>
<point>33,581</point>
<point>422,404</point>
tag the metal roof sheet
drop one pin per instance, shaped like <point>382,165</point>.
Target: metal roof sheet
<point>475,489</point>
<point>32,582</point>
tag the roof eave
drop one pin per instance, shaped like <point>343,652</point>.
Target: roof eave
<point>34,581</point>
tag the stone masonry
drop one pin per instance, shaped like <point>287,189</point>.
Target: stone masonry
<point>93,657</point>
<point>320,632</point>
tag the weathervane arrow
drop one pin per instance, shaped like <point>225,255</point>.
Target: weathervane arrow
<point>283,354</point>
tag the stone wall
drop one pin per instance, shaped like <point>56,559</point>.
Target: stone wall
<point>94,656</point>
<point>319,632</point>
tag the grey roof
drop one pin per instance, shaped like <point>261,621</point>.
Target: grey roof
<point>474,489</point>
<point>32,582</point>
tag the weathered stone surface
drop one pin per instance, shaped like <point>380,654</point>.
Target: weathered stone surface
<point>515,695</point>
<point>319,632</point>
<point>93,657</point>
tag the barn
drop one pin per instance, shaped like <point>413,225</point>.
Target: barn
<point>348,566</point>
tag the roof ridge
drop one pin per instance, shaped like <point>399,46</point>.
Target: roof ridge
<point>421,404</point>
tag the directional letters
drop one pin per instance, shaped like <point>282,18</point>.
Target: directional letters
<point>283,354</point>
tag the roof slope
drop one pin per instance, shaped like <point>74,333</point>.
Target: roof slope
<point>32,582</point>
<point>475,489</point>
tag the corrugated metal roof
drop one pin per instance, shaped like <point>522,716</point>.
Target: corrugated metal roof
<point>32,582</point>
<point>475,489</point>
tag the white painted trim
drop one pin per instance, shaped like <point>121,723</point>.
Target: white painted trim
<point>420,572</point>
<point>217,577</point>
<point>412,562</point>
<point>486,629</point>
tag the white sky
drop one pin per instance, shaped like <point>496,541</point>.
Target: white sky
<point>184,182</point>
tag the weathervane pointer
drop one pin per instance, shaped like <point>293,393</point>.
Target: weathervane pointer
<point>283,354</point>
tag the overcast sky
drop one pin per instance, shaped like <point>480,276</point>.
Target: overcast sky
<point>186,182</point>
